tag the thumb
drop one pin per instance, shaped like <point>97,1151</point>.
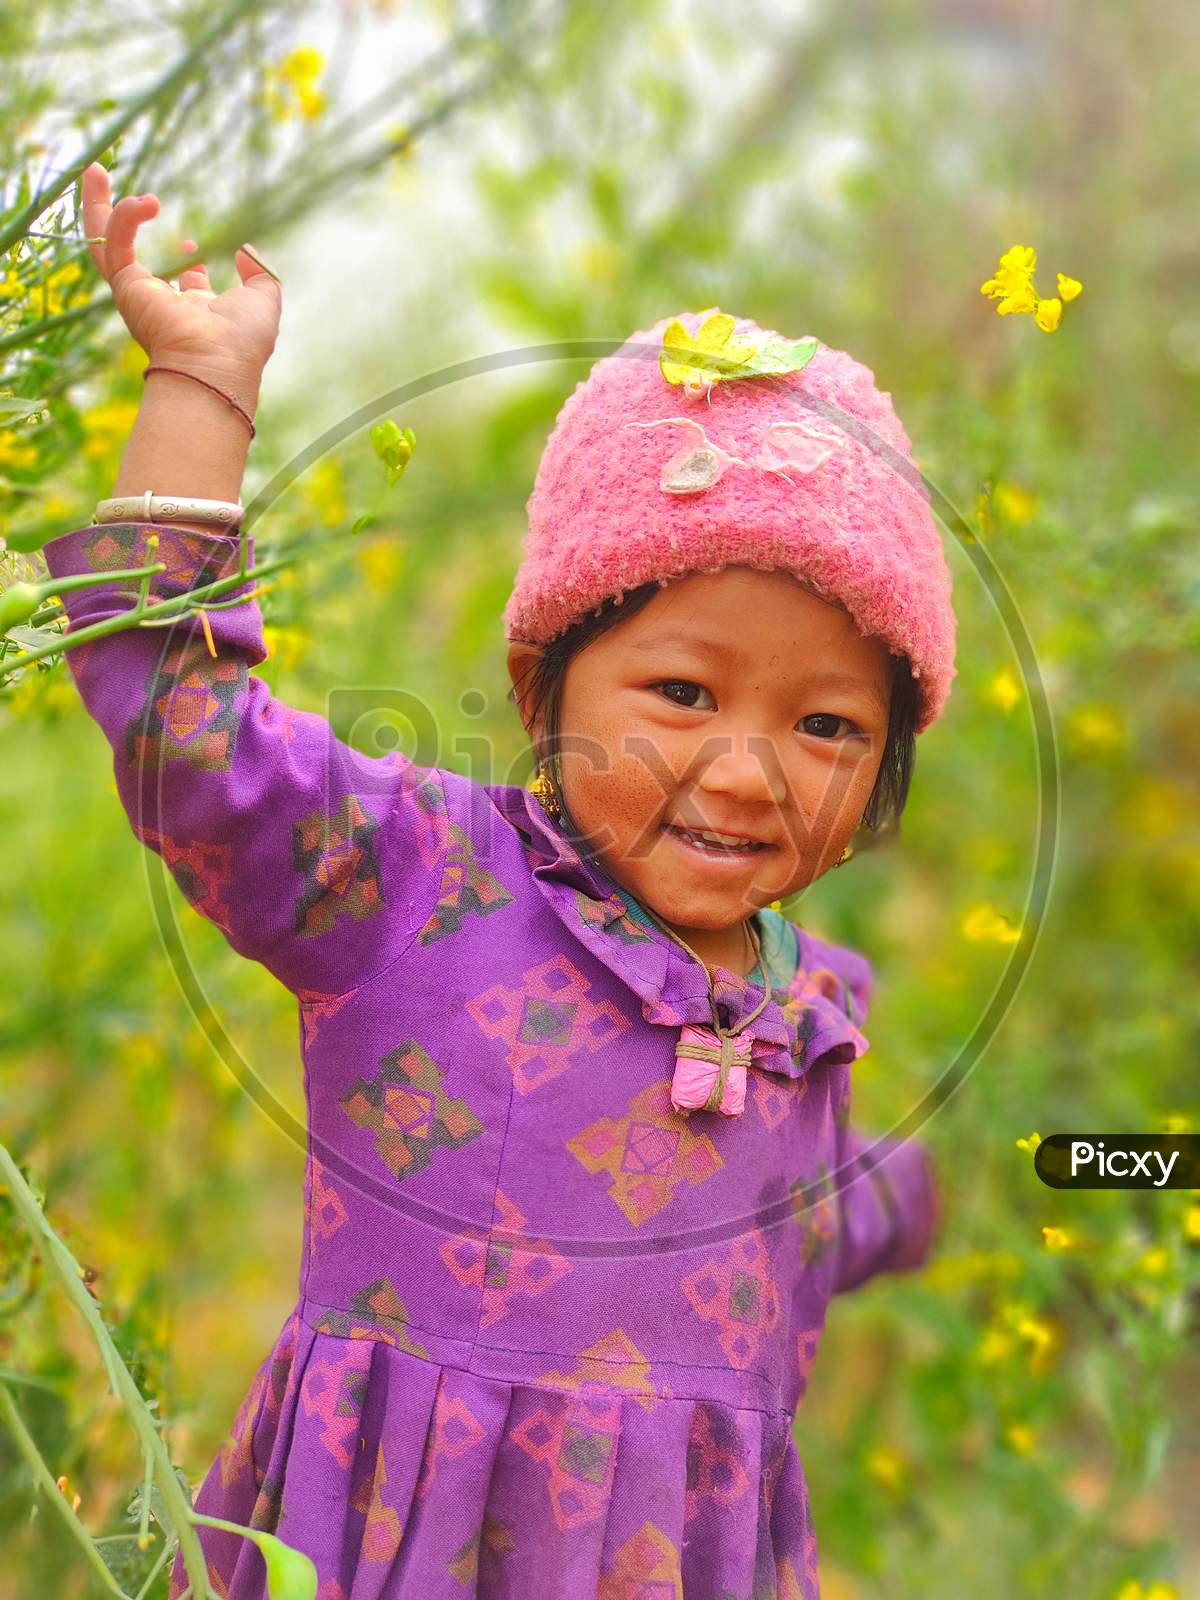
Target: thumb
<point>255,273</point>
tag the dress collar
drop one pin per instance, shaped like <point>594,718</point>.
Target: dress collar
<point>813,1018</point>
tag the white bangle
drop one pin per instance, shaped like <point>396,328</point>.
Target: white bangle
<point>151,507</point>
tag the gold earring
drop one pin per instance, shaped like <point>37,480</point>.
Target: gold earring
<point>543,789</point>
<point>844,857</point>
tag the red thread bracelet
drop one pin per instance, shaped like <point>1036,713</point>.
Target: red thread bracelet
<point>228,398</point>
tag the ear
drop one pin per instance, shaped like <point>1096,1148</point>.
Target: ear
<point>522,658</point>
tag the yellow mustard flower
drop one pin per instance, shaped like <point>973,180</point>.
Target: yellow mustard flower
<point>1015,1319</point>
<point>16,451</point>
<point>382,562</point>
<point>1096,727</point>
<point>1016,269</point>
<point>684,358</point>
<point>138,1051</point>
<point>1133,1590</point>
<point>1014,290</point>
<point>1176,1122</point>
<point>1004,690</point>
<point>1013,284</point>
<point>1191,1224</point>
<point>972,1266</point>
<point>285,645</point>
<point>1057,1239</point>
<point>311,101</point>
<point>993,1347</point>
<point>714,338</point>
<point>322,492</point>
<point>47,296</point>
<point>291,84</point>
<point>1023,297</point>
<point>1154,1263</point>
<point>1048,314</point>
<point>56,693</point>
<point>302,65</point>
<point>106,427</point>
<point>984,924</point>
<point>1020,1436</point>
<point>1014,503</point>
<point>55,293</point>
<point>1041,1337</point>
<point>1156,809</point>
<point>886,1467</point>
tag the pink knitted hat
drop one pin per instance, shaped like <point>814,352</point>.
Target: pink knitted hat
<point>808,470</point>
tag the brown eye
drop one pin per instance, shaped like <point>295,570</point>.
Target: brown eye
<point>685,688</point>
<point>828,724</point>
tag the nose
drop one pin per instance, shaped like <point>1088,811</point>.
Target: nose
<point>752,774</point>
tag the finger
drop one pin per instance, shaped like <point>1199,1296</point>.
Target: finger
<point>255,275</point>
<point>121,233</point>
<point>196,278</point>
<point>96,211</point>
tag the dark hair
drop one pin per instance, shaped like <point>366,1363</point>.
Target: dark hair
<point>881,818</point>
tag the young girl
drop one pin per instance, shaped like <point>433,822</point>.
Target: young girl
<point>580,1179</point>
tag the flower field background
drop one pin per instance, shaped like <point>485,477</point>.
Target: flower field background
<point>435,183</point>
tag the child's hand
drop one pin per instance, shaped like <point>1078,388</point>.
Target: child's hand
<point>230,335</point>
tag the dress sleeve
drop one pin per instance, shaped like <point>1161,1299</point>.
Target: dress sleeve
<point>888,1207</point>
<point>319,862</point>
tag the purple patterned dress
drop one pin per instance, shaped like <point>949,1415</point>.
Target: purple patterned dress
<point>550,1334</point>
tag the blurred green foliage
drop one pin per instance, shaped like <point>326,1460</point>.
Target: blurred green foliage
<point>1019,1418</point>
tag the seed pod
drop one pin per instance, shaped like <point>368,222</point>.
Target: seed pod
<point>17,604</point>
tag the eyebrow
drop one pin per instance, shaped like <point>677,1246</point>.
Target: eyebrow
<point>739,657</point>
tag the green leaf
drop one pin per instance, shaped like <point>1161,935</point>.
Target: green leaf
<point>128,1563</point>
<point>777,355</point>
<point>33,638</point>
<point>158,1508</point>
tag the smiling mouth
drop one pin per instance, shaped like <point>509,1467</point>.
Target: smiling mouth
<point>713,843</point>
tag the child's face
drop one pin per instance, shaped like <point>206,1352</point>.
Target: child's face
<point>716,707</point>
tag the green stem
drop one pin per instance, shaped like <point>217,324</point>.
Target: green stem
<point>144,1513</point>
<point>219,1522</point>
<point>55,1252</point>
<point>162,88</point>
<point>163,1556</point>
<point>35,332</point>
<point>176,606</point>
<point>81,580</point>
<point>45,1480</point>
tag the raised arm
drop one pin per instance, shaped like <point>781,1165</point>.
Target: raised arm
<point>319,862</point>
